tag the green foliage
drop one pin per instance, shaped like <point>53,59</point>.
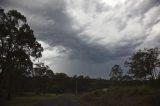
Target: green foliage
<point>17,41</point>
<point>143,63</point>
<point>17,45</point>
<point>126,78</point>
<point>116,73</point>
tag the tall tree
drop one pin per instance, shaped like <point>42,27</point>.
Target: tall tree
<point>17,45</point>
<point>143,63</point>
<point>116,72</point>
<point>41,70</point>
<point>152,61</point>
<point>43,76</point>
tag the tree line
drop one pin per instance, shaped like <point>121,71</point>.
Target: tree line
<point>142,65</point>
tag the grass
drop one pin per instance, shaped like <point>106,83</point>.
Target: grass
<point>124,96</point>
<point>29,100</point>
<point>116,96</point>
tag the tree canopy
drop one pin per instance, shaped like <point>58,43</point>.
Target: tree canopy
<point>143,63</point>
<point>17,44</point>
<point>116,72</point>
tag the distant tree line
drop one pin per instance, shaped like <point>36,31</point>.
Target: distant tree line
<point>143,65</point>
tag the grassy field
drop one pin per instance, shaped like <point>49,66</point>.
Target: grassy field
<point>28,100</point>
<point>124,96</point>
<point>47,100</point>
<point>115,96</point>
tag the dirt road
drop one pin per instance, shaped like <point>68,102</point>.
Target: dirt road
<point>62,101</point>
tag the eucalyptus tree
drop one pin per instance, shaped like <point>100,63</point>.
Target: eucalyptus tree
<point>143,63</point>
<point>116,72</point>
<point>17,45</point>
<point>43,77</point>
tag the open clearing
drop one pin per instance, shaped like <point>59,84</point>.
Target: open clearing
<point>47,100</point>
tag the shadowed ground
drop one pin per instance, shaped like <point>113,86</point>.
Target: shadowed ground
<point>62,101</point>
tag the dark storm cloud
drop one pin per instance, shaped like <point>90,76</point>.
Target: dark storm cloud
<point>63,34</point>
<point>95,34</point>
<point>2,2</point>
<point>82,50</point>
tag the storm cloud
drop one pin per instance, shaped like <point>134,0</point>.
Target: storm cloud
<point>89,36</point>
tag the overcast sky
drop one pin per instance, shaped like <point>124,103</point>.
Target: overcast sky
<point>87,37</point>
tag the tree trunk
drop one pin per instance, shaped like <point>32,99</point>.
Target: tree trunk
<point>10,81</point>
<point>154,74</point>
<point>9,93</point>
<point>2,64</point>
<point>1,78</point>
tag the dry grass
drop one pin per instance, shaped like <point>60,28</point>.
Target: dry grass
<point>124,96</point>
<point>28,100</point>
